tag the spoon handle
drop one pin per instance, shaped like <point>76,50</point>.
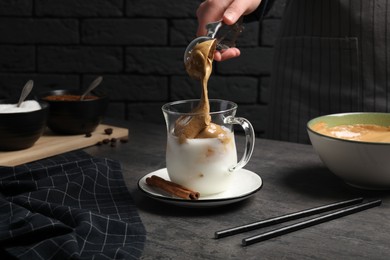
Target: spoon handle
<point>91,87</point>
<point>228,34</point>
<point>25,91</point>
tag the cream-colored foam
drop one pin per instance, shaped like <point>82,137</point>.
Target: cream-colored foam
<point>26,106</point>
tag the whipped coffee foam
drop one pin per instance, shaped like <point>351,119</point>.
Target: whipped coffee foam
<point>199,66</point>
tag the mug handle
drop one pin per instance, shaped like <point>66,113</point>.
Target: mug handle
<point>249,140</point>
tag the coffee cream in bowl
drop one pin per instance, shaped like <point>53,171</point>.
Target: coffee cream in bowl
<point>354,146</point>
<point>69,115</point>
<point>356,132</point>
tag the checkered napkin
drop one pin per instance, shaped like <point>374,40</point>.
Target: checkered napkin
<point>69,206</point>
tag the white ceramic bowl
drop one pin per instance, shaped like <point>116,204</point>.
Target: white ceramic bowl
<point>361,164</point>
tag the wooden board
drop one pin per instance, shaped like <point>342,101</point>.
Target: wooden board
<point>50,144</point>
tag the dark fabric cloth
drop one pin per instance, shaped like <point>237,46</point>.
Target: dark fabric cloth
<point>70,206</point>
<point>260,12</point>
<point>332,56</point>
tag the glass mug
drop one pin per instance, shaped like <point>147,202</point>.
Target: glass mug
<point>206,165</point>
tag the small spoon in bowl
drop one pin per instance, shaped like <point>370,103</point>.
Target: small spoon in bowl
<point>25,91</point>
<point>91,87</point>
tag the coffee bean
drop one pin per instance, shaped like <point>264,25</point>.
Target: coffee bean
<point>108,131</point>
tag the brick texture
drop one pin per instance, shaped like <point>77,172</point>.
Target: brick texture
<point>79,8</point>
<point>39,31</point>
<point>165,9</point>
<point>16,58</point>
<point>125,32</point>
<point>16,8</point>
<point>81,59</point>
<point>137,46</point>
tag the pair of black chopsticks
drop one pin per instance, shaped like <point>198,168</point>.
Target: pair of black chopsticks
<point>348,207</point>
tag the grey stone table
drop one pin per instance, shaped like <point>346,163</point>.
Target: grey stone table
<point>294,178</point>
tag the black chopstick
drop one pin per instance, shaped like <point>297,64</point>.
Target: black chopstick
<point>310,222</point>
<point>284,218</point>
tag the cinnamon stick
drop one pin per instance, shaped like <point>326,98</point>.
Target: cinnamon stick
<point>172,188</point>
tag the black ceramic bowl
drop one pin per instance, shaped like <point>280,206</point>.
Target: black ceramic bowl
<point>70,117</point>
<point>20,131</point>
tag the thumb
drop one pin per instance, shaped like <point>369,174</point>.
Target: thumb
<point>238,8</point>
<point>233,13</point>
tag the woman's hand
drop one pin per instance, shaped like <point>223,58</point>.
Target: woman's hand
<point>229,11</point>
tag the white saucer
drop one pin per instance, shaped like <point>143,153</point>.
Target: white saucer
<point>249,183</point>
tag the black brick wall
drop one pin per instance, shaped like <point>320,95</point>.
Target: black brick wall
<point>137,46</point>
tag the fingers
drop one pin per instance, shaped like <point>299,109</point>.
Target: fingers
<point>227,10</point>
<point>238,8</point>
<point>235,10</point>
<point>226,54</point>
<point>210,11</point>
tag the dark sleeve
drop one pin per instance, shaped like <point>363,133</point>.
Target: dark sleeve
<point>259,13</point>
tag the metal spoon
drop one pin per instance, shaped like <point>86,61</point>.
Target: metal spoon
<point>91,87</point>
<point>212,29</point>
<point>226,36</point>
<point>25,91</point>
